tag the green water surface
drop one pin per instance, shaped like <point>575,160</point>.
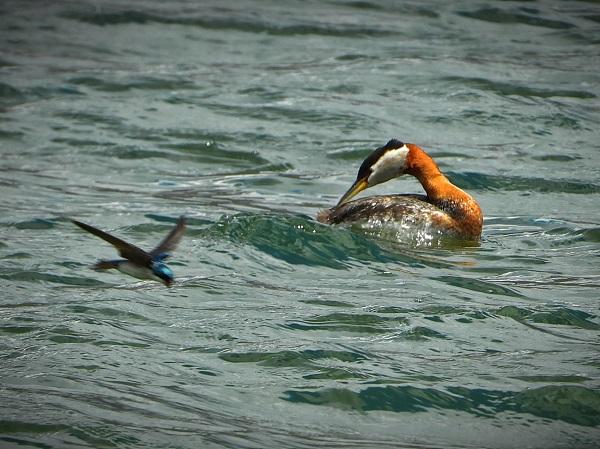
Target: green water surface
<point>281,332</point>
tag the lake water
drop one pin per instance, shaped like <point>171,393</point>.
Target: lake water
<point>280,332</point>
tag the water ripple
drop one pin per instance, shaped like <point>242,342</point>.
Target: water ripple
<point>525,16</point>
<point>235,24</point>
<point>515,88</point>
<point>298,240</point>
<point>138,82</point>
<point>572,404</point>
<point>481,181</point>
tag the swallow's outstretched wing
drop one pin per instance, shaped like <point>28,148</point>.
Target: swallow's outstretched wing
<point>170,242</point>
<point>126,250</point>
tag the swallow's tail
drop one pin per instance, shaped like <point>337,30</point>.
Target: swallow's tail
<point>105,264</point>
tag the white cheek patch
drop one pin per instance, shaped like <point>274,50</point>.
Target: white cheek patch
<point>391,165</point>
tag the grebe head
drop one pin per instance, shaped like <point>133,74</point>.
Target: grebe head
<point>383,164</point>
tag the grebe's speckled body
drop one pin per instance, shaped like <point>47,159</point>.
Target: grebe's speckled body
<point>445,210</point>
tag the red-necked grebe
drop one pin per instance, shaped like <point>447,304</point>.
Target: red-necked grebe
<point>445,210</point>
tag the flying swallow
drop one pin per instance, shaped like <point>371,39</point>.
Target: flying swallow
<point>137,262</point>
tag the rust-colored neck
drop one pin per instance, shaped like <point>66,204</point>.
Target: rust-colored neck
<point>457,203</point>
